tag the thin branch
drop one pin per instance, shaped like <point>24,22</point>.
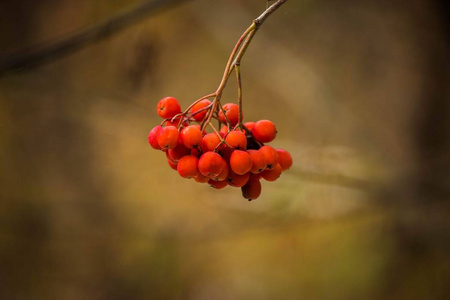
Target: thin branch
<point>28,59</point>
<point>269,11</point>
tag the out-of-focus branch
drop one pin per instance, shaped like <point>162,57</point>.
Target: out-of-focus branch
<point>335,179</point>
<point>27,59</point>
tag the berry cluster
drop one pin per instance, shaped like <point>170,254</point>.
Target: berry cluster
<point>235,155</point>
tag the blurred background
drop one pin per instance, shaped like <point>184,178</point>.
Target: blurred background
<point>359,91</point>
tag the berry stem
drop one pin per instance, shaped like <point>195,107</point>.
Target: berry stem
<point>233,63</point>
<point>239,85</point>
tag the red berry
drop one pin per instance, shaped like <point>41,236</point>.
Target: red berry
<point>191,136</point>
<point>232,113</point>
<point>152,137</point>
<point>249,125</point>
<point>236,139</point>
<point>252,189</point>
<point>272,175</point>
<point>240,162</point>
<point>168,107</point>
<point>237,180</point>
<point>199,106</point>
<point>264,131</point>
<point>218,184</point>
<point>210,164</point>
<point>172,164</point>
<point>223,131</point>
<point>187,166</point>
<point>201,178</point>
<point>176,122</point>
<point>178,152</point>
<point>224,174</point>
<point>259,162</point>
<point>168,137</point>
<point>284,159</point>
<point>195,152</point>
<point>270,155</point>
<point>209,142</point>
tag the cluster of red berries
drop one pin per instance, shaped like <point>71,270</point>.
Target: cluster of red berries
<point>235,155</point>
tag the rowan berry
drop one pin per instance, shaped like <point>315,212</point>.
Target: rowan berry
<point>210,164</point>
<point>236,139</point>
<point>217,184</point>
<point>176,122</point>
<point>224,174</point>
<point>172,164</point>
<point>191,136</point>
<point>168,137</point>
<point>188,166</point>
<point>210,141</point>
<point>285,159</point>
<point>252,189</point>
<point>270,155</point>
<point>201,178</point>
<point>237,180</point>
<point>249,125</point>
<point>223,131</point>
<point>178,152</point>
<point>264,131</point>
<point>273,174</point>
<point>258,161</point>
<point>200,106</point>
<point>240,162</point>
<point>168,107</point>
<point>232,113</point>
<point>169,158</point>
<point>152,137</point>
<point>195,152</point>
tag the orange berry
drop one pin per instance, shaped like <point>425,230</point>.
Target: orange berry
<point>201,178</point>
<point>264,131</point>
<point>187,166</point>
<point>237,180</point>
<point>210,164</point>
<point>232,113</point>
<point>178,152</point>
<point>172,164</point>
<point>152,137</point>
<point>199,106</point>
<point>209,142</point>
<point>249,125</point>
<point>270,155</point>
<point>168,107</point>
<point>224,174</point>
<point>223,131</point>
<point>217,184</point>
<point>252,189</point>
<point>240,162</point>
<point>284,159</point>
<point>236,139</point>
<point>168,137</point>
<point>169,158</point>
<point>191,136</point>
<point>272,175</point>
<point>195,152</point>
<point>259,162</point>
<point>176,122</point>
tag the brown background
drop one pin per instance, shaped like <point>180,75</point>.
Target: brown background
<point>359,92</point>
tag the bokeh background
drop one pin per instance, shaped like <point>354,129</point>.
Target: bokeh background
<point>359,91</point>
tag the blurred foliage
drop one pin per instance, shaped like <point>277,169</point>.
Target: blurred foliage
<point>358,90</point>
